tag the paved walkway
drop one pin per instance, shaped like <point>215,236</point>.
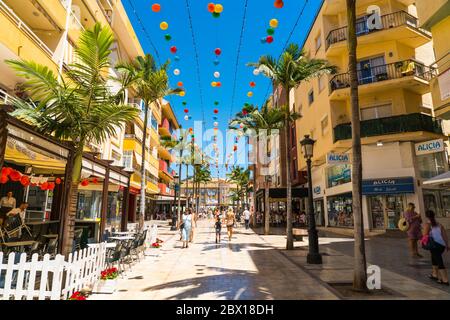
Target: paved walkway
<point>253,266</point>
<point>245,268</point>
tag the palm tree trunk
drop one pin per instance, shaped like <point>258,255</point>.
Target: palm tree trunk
<point>143,182</point>
<point>359,272</point>
<point>3,137</point>
<point>187,186</point>
<point>289,235</point>
<point>266,208</point>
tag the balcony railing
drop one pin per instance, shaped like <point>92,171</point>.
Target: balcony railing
<point>25,29</point>
<point>390,125</point>
<point>5,98</point>
<point>384,72</point>
<point>163,166</point>
<point>388,21</point>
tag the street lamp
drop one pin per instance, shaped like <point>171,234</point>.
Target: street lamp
<point>314,257</point>
<point>175,212</point>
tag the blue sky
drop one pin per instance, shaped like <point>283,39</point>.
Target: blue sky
<point>224,33</point>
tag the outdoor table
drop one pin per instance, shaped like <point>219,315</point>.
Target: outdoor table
<point>122,238</point>
<point>109,245</point>
<point>18,244</point>
<point>124,233</point>
<point>50,236</point>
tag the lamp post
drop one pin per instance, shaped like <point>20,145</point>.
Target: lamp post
<point>175,212</point>
<point>314,257</point>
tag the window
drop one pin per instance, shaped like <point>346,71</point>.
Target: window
<point>300,110</point>
<point>128,159</point>
<point>311,97</point>
<point>376,112</point>
<point>318,42</point>
<point>372,70</point>
<point>324,125</point>
<point>322,82</point>
<point>431,165</point>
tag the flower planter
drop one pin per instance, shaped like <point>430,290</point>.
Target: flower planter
<point>106,286</point>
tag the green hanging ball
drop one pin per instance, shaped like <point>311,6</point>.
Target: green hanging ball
<point>216,103</point>
<point>184,103</point>
<point>270,31</point>
<point>246,104</point>
<point>168,37</point>
<point>216,14</point>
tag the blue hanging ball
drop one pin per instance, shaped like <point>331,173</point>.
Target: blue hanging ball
<point>263,40</point>
<point>177,58</point>
<point>216,62</point>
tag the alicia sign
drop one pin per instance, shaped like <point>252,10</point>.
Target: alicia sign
<point>431,146</point>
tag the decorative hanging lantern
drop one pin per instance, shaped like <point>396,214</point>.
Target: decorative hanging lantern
<point>218,8</point>
<point>216,124</point>
<point>186,117</point>
<point>269,39</point>
<point>256,72</point>
<point>211,7</point>
<point>176,72</point>
<point>4,179</point>
<point>184,103</point>
<point>244,112</point>
<point>6,171</point>
<point>252,84</point>
<point>44,186</point>
<point>180,84</point>
<point>182,93</point>
<point>273,23</point>
<point>168,37</point>
<point>214,118</point>
<point>58,180</point>
<point>216,14</point>
<point>263,40</point>
<point>173,49</point>
<point>15,175</point>
<point>218,51</point>
<point>249,94</point>
<point>235,148</point>
<point>216,103</point>
<point>216,62</point>
<point>213,84</point>
<point>156,7</point>
<point>25,181</point>
<point>84,182</point>
<point>177,58</point>
<point>164,25</point>
<point>217,74</point>
<point>216,111</point>
<point>51,186</point>
<point>278,4</point>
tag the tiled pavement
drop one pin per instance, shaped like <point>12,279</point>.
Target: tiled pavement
<point>249,267</point>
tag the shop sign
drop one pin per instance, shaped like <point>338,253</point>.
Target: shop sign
<point>134,190</point>
<point>428,147</point>
<point>316,190</point>
<point>388,186</point>
<point>338,158</point>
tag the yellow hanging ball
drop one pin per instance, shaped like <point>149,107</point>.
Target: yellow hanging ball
<point>250,94</point>
<point>213,84</point>
<point>218,8</point>
<point>273,23</point>
<point>164,25</point>
<point>182,93</point>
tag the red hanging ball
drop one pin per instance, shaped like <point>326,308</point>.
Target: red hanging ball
<point>15,175</point>
<point>4,179</point>
<point>58,180</point>
<point>180,84</point>
<point>84,182</point>
<point>186,110</point>
<point>211,7</point>
<point>156,7</point>
<point>95,180</point>
<point>173,49</point>
<point>218,51</point>
<point>6,171</point>
<point>218,84</point>
<point>44,186</point>
<point>216,111</point>
<point>25,181</point>
<point>51,186</point>
<point>252,84</point>
<point>278,4</point>
<point>269,39</point>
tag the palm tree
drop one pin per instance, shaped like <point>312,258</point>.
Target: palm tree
<point>151,84</point>
<point>288,72</point>
<point>235,176</point>
<point>359,272</point>
<point>77,106</point>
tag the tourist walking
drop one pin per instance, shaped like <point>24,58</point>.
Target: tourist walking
<point>218,227</point>
<point>247,216</point>
<point>436,231</point>
<point>230,220</point>
<point>414,231</point>
<point>186,227</point>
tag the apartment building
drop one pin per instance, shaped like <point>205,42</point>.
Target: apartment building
<point>217,192</point>
<point>403,144</point>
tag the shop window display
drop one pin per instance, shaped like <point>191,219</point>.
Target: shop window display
<point>340,213</point>
<point>338,175</point>
<point>89,205</point>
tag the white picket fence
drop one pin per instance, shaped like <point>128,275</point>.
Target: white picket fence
<point>52,279</point>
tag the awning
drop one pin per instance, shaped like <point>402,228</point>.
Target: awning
<point>280,193</point>
<point>440,179</point>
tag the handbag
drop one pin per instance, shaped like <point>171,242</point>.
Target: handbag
<point>403,224</point>
<point>428,242</point>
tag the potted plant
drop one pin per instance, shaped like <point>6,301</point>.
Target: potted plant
<point>77,296</point>
<point>108,281</point>
<point>156,245</point>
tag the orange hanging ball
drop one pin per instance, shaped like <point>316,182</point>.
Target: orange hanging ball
<point>211,7</point>
<point>180,84</point>
<point>156,7</point>
<point>278,4</point>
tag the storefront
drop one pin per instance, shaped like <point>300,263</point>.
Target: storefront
<point>340,212</point>
<point>387,200</point>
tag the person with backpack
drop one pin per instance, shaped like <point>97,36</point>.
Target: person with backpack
<point>435,240</point>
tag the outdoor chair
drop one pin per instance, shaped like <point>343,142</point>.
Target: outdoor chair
<point>77,239</point>
<point>142,241</point>
<point>135,246</point>
<point>51,248</point>
<point>114,256</point>
<point>14,226</point>
<point>35,248</point>
<point>125,255</point>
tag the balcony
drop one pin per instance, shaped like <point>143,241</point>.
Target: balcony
<point>20,39</point>
<point>163,171</point>
<point>164,128</point>
<point>409,74</point>
<point>400,26</point>
<point>165,190</point>
<point>402,124</point>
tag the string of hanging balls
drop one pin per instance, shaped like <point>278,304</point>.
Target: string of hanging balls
<point>10,174</point>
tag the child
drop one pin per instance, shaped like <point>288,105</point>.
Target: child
<point>218,227</point>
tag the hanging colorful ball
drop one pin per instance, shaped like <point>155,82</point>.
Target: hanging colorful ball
<point>216,74</point>
<point>214,118</point>
<point>256,72</point>
<point>213,84</point>
<point>180,84</point>
<point>156,7</point>
<point>176,72</point>
<point>216,111</point>
<point>249,94</point>
<point>186,110</point>
<point>235,148</point>
<point>186,118</point>
<point>244,112</point>
<point>4,179</point>
<point>216,62</point>
<point>273,23</point>
<point>216,14</point>
<point>184,103</point>
<point>84,182</point>
<point>263,40</point>
<point>211,7</point>
<point>270,31</point>
<point>58,180</point>
<point>216,103</point>
<point>252,84</point>
<point>15,175</point>
<point>218,51</point>
<point>218,8</point>
<point>269,39</point>
<point>25,181</point>
<point>168,37</point>
<point>163,25</point>
<point>182,93</point>
<point>218,84</point>
<point>177,58</point>
<point>173,49</point>
<point>278,4</point>
<point>216,124</point>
